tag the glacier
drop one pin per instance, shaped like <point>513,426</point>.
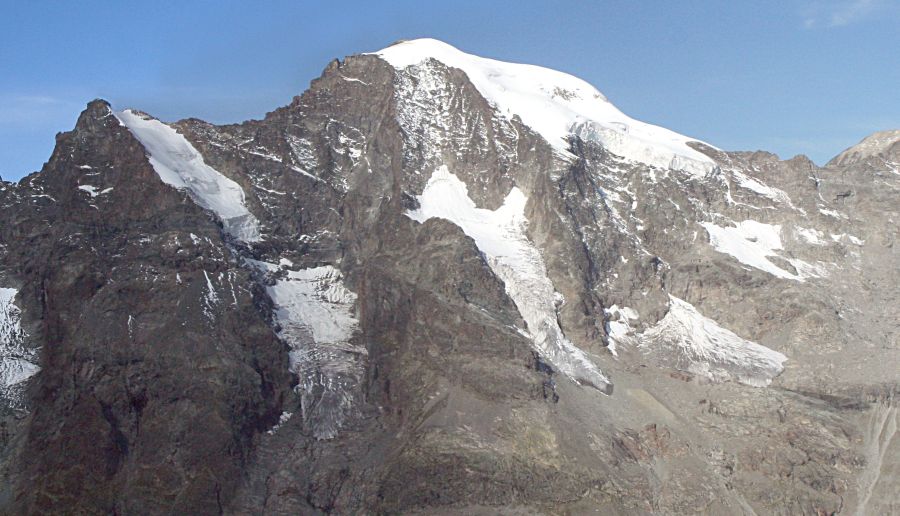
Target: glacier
<point>16,362</point>
<point>557,105</point>
<point>698,344</point>
<point>315,316</point>
<point>180,165</point>
<point>500,235</point>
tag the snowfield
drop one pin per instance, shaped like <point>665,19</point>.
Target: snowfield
<point>556,105</point>
<point>180,165</point>
<point>699,345</point>
<point>500,235</point>
<point>752,243</point>
<point>16,364</point>
<point>314,311</point>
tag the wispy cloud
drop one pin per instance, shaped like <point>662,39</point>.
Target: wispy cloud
<point>839,13</point>
<point>36,100</point>
<point>34,110</point>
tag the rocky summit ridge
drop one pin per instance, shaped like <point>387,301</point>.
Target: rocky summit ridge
<point>438,283</point>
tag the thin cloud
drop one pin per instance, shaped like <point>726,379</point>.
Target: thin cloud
<point>841,13</point>
<point>36,100</point>
<point>33,110</point>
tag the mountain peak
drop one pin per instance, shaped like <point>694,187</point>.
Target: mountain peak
<point>872,145</point>
<point>97,109</point>
<point>556,105</point>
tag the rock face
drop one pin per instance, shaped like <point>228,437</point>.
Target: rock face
<point>436,283</point>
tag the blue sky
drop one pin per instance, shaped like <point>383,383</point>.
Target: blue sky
<point>789,76</point>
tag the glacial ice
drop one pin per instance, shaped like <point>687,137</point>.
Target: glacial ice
<point>556,105</point>
<point>180,165</point>
<point>699,345</point>
<point>618,326</point>
<point>500,235</point>
<point>314,311</point>
<point>16,362</point>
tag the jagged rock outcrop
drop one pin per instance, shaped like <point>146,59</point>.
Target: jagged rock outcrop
<point>436,283</point>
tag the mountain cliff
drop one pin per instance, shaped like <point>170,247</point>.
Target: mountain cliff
<point>439,283</point>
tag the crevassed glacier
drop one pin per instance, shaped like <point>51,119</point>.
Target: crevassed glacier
<point>16,362</point>
<point>314,311</point>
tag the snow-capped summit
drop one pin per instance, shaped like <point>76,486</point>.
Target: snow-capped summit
<point>556,105</point>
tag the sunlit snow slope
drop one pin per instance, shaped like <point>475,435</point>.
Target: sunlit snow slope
<point>699,345</point>
<point>180,165</point>
<point>500,235</point>
<point>556,105</point>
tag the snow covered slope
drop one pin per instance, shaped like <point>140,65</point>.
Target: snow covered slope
<point>15,361</point>
<point>180,165</point>
<point>314,311</point>
<point>556,105</point>
<point>699,345</point>
<point>753,243</point>
<point>500,235</point>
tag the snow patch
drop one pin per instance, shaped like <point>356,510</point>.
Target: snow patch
<point>831,213</point>
<point>557,105</point>
<point>500,235</point>
<point>210,299</point>
<point>305,173</point>
<point>282,419</point>
<point>270,157</point>
<point>811,236</point>
<point>752,243</point>
<point>92,190</point>
<point>315,313</point>
<point>853,240</point>
<point>618,326</point>
<point>17,364</point>
<point>700,346</point>
<point>754,185</point>
<point>354,79</point>
<point>180,165</point>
